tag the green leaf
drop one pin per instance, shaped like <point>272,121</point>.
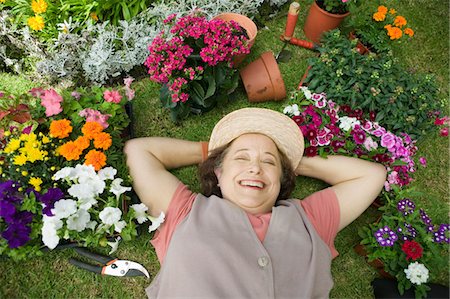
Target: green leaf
<point>125,11</point>
<point>211,87</point>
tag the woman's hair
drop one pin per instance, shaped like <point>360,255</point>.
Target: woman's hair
<point>209,182</point>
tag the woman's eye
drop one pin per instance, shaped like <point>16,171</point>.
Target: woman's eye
<point>241,158</point>
<point>269,162</point>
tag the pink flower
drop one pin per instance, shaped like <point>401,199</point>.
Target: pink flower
<point>423,161</point>
<point>127,81</point>
<point>388,140</point>
<point>36,91</point>
<point>112,96</point>
<point>76,95</point>
<point>443,132</point>
<point>94,115</point>
<point>441,121</point>
<point>51,100</point>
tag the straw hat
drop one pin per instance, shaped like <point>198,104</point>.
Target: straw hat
<point>275,125</point>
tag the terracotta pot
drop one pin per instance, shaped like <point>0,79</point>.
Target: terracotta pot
<point>360,47</point>
<point>245,23</point>
<point>319,21</point>
<point>262,79</point>
<point>377,263</point>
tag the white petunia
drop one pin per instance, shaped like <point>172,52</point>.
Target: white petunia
<point>80,191</point>
<point>417,273</point>
<point>291,110</point>
<point>86,203</point>
<point>156,222</point>
<point>95,183</point>
<point>119,225</point>
<point>63,173</point>
<point>84,171</point>
<point>91,224</point>
<point>306,92</point>
<point>114,245</point>
<point>110,215</point>
<point>63,208</point>
<point>107,173</point>
<point>78,221</point>
<point>50,227</point>
<point>117,189</point>
<point>141,212</point>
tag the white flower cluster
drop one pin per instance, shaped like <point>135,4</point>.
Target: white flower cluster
<point>417,273</point>
<point>141,216</point>
<point>85,188</point>
<point>347,123</point>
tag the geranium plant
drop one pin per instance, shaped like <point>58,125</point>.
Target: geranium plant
<point>193,61</point>
<point>379,29</point>
<point>63,178</point>
<point>329,128</point>
<point>410,246</point>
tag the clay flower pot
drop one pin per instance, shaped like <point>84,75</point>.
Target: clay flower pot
<point>318,21</point>
<point>262,79</point>
<point>360,47</point>
<point>245,23</point>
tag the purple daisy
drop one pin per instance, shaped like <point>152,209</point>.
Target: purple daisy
<point>385,236</point>
<point>406,206</point>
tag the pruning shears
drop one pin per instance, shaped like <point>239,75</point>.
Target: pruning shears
<point>109,265</point>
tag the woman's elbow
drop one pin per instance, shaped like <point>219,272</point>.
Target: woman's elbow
<point>379,174</point>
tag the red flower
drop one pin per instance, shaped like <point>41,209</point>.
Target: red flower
<point>412,249</point>
<point>311,151</point>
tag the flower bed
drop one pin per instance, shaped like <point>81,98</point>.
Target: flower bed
<point>63,176</point>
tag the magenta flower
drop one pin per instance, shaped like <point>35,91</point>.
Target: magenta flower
<point>51,100</point>
<point>112,96</point>
<point>443,132</point>
<point>388,140</point>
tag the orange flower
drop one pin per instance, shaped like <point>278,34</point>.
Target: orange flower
<point>82,142</point>
<point>383,9</point>
<point>60,128</point>
<point>378,16</point>
<point>70,151</point>
<point>409,31</point>
<point>91,128</point>
<point>392,11</point>
<point>96,159</point>
<point>94,16</point>
<point>394,32</point>
<point>102,140</point>
<point>400,21</point>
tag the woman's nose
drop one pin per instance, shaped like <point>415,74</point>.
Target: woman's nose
<point>254,167</point>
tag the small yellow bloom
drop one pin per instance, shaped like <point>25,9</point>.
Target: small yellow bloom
<point>392,11</point>
<point>45,140</point>
<point>53,168</point>
<point>36,23</point>
<point>24,173</point>
<point>7,133</point>
<point>13,145</point>
<point>20,189</point>
<point>20,160</point>
<point>36,183</point>
<point>39,6</point>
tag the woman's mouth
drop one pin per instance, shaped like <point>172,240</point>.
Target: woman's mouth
<point>252,184</point>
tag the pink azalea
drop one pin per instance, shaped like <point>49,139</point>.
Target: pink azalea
<point>112,96</point>
<point>51,100</point>
<point>94,115</point>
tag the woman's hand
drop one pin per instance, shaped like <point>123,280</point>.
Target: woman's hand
<point>356,182</point>
<point>149,160</point>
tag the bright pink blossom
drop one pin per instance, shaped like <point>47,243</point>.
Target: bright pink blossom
<point>94,115</point>
<point>51,100</point>
<point>112,96</point>
<point>423,161</point>
<point>444,131</point>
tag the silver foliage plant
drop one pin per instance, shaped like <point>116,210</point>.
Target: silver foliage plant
<point>104,51</point>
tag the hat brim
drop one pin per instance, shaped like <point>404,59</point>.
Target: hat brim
<point>275,125</point>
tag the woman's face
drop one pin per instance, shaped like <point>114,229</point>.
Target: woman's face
<point>250,173</point>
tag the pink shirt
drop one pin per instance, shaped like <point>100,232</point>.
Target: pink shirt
<point>322,209</point>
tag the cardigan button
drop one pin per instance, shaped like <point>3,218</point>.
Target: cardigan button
<point>263,261</point>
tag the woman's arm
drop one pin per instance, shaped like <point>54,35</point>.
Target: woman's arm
<point>149,160</point>
<point>356,182</point>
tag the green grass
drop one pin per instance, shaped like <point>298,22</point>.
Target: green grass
<point>51,276</point>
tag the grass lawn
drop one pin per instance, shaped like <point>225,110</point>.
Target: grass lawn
<point>51,276</point>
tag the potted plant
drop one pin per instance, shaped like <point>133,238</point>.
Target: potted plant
<point>330,128</point>
<point>409,245</point>
<point>193,61</point>
<point>404,101</point>
<point>325,15</point>
<point>379,28</point>
<point>63,178</point>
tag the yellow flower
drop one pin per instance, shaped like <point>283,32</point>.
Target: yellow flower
<point>13,145</point>
<point>36,23</point>
<point>392,11</point>
<point>45,140</point>
<point>2,1</point>
<point>400,21</point>
<point>409,31</point>
<point>36,183</point>
<point>39,6</point>
<point>378,16</point>
<point>24,173</point>
<point>20,160</point>
<point>35,155</point>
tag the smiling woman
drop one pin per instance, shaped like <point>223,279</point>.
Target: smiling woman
<point>244,231</point>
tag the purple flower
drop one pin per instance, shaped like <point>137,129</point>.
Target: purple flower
<point>7,210</point>
<point>425,218</point>
<point>17,235</point>
<point>407,232</point>
<point>385,236</point>
<point>406,206</point>
<point>442,235</point>
<point>49,199</point>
